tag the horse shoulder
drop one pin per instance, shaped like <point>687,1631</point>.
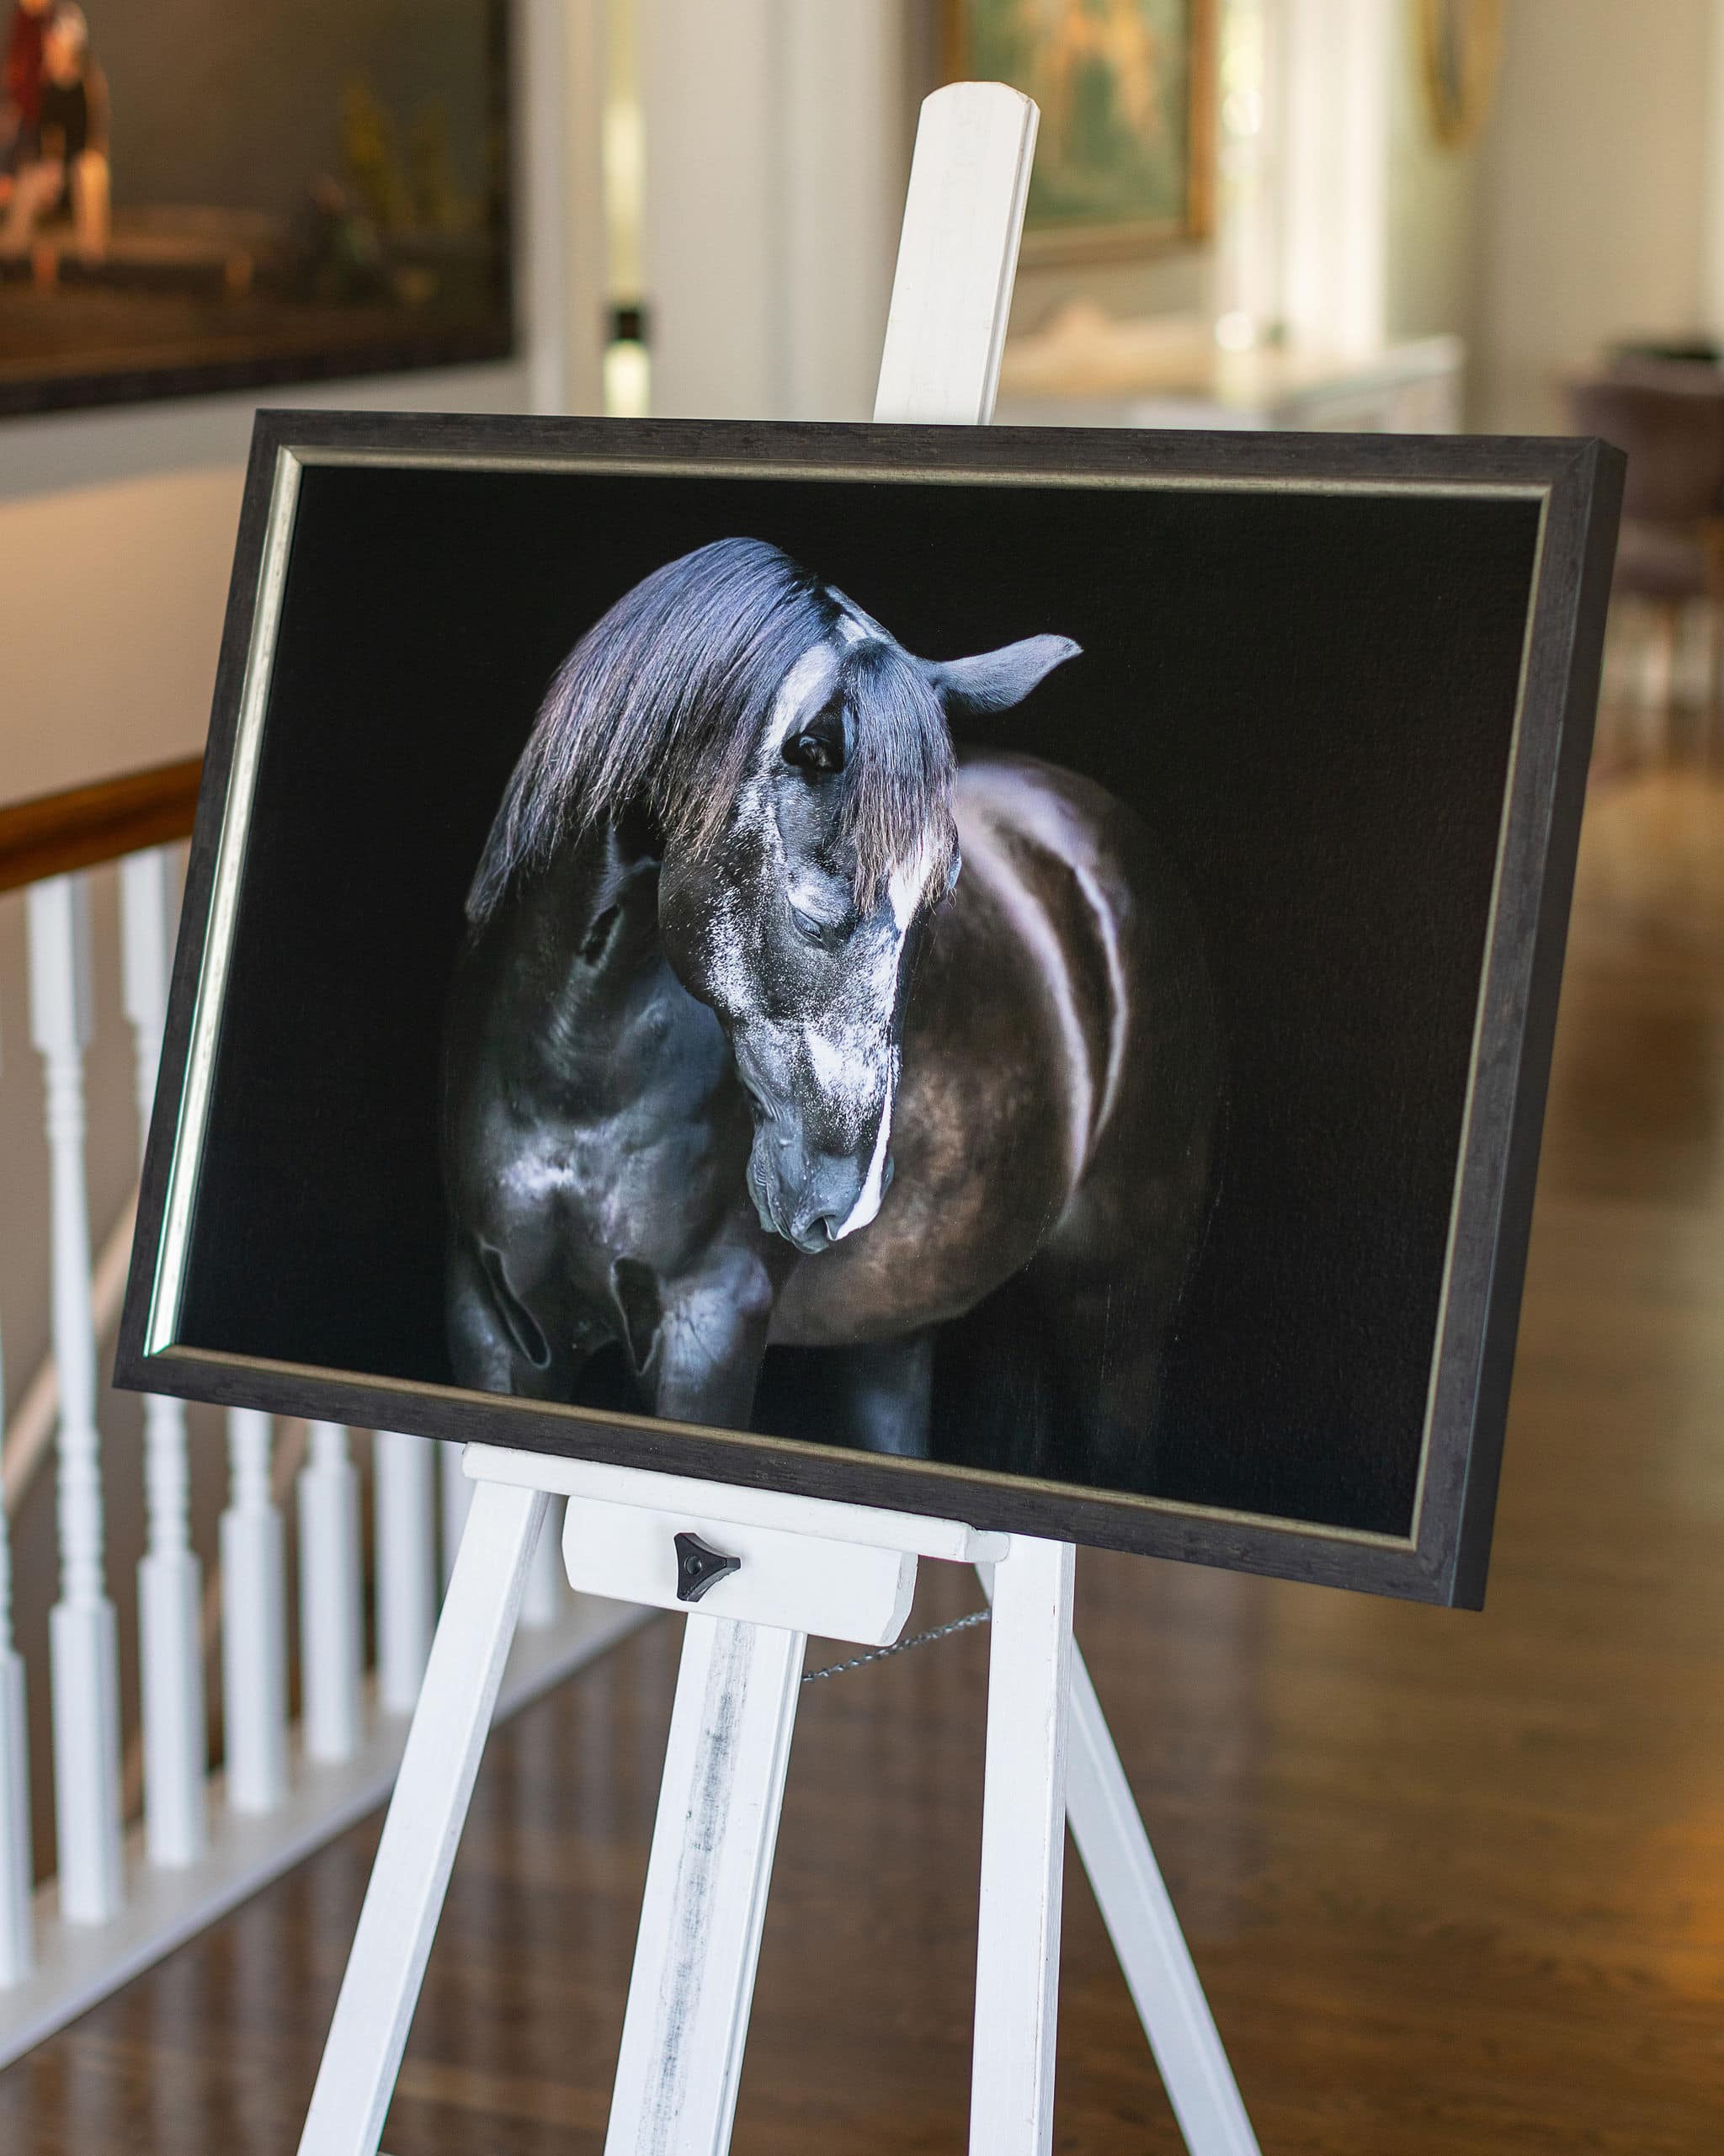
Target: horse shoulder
<point>983,1159</point>
<point>1054,849</point>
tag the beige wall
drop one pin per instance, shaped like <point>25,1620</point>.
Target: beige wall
<point>1592,185</point>
<point>111,610</point>
<point>116,532</point>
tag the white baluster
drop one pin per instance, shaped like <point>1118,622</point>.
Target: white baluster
<point>170,1578</point>
<point>16,1954</point>
<point>406,1564</point>
<point>83,1662</point>
<point>253,1622</point>
<point>541,1596</point>
<point>331,1631</point>
<point>457,1500</point>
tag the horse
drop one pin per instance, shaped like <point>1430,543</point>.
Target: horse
<point>779,1023</point>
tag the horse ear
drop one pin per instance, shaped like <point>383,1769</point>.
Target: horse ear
<point>993,681</point>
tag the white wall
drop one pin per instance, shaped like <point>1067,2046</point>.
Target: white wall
<point>1364,230</point>
<point>777,153</point>
<point>1592,192</point>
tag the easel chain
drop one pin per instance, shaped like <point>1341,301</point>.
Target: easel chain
<point>902,1647</point>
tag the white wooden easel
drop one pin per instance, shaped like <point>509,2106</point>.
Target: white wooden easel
<point>806,1565</point>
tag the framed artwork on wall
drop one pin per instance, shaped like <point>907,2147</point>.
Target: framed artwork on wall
<point>1124,159</point>
<point>1459,52</point>
<point>195,197</point>
<point>1005,973</point>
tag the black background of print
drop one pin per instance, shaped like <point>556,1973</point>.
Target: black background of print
<point>1309,696</point>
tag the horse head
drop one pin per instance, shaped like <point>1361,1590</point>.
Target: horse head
<point>794,762</point>
<point>800,923</point>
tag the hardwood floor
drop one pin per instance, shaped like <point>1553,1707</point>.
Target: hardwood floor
<point>1455,1883</point>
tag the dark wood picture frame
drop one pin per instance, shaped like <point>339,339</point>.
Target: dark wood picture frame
<point>1053,247</point>
<point>1576,485</point>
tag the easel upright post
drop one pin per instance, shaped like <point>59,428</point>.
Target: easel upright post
<point>957,257</point>
<point>951,300</point>
<point>681,2058</point>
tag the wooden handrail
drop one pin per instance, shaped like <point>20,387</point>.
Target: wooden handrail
<point>85,825</point>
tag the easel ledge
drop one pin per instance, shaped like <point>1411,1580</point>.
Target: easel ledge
<point>847,1572</point>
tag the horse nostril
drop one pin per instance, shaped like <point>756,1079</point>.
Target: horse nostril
<point>816,1233</point>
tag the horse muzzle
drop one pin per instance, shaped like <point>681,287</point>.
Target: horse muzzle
<point>816,1208</point>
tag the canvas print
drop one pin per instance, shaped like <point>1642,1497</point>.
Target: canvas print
<point>966,975</point>
<point>1126,89</point>
<point>195,197</point>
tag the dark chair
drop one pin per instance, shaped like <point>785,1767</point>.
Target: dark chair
<point>1628,351</point>
<point>1667,417</point>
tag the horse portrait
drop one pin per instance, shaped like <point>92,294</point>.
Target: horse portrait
<point>793,1021</point>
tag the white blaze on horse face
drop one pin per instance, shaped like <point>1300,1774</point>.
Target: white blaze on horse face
<point>806,682</point>
<point>730,984</point>
<point>852,1062</point>
<point>847,1048</point>
<point>907,891</point>
<point>873,1189</point>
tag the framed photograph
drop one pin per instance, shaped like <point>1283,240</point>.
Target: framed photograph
<point>1124,159</point>
<point>1004,973</point>
<point>196,197</point>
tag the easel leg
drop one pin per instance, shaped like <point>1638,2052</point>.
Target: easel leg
<point>706,1884</point>
<point>1111,1838</point>
<point>1023,1852</point>
<point>411,1874</point>
<point>1135,1906</point>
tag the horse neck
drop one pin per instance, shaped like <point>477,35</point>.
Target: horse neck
<point>556,916</point>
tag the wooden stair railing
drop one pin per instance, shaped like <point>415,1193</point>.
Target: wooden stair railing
<point>85,826</point>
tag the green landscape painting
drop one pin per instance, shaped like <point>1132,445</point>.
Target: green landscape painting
<point>1124,87</point>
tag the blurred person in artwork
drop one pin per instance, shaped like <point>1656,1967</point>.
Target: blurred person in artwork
<point>21,90</point>
<point>70,153</point>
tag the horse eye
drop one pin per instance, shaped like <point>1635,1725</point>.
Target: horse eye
<point>807,752</point>
<point>816,747</point>
<point>826,935</point>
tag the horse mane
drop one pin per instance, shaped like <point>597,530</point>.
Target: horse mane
<point>896,802</point>
<point>658,707</point>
